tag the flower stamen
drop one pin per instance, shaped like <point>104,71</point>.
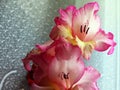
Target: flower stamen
<point>81,28</point>
<point>84,28</point>
<point>65,77</point>
<point>87,30</point>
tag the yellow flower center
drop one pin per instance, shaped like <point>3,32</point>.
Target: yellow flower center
<point>86,47</point>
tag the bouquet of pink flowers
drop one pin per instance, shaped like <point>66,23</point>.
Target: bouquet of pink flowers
<point>58,64</point>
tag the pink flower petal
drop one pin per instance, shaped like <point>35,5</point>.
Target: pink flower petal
<point>88,80</point>
<point>38,68</point>
<point>38,75</point>
<point>86,22</point>
<point>86,86</point>
<point>33,54</point>
<point>63,23</point>
<point>54,34</point>
<point>90,75</point>
<point>43,47</point>
<point>36,55</point>
<point>60,31</point>
<point>73,69</point>
<point>65,51</point>
<point>67,14</point>
<point>37,61</point>
<point>66,70</point>
<point>104,41</point>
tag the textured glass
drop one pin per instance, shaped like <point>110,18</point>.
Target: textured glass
<point>24,23</point>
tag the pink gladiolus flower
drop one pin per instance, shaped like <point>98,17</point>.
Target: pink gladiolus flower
<point>82,27</point>
<point>86,82</point>
<point>58,66</point>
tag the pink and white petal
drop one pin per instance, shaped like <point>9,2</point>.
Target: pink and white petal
<point>86,86</point>
<point>38,68</point>
<point>60,31</point>
<point>38,60</point>
<point>86,15</point>
<point>54,34</point>
<point>89,78</point>
<point>63,23</point>
<point>59,21</point>
<point>104,41</point>
<point>66,51</point>
<point>90,75</point>
<point>35,55</point>
<point>43,47</point>
<point>73,69</point>
<point>67,14</point>
<point>32,54</point>
<point>36,87</point>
